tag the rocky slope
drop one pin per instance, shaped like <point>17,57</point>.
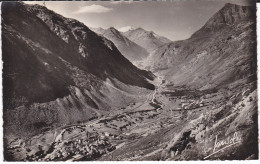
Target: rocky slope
<point>147,39</point>
<point>57,72</point>
<point>222,51</point>
<point>129,49</point>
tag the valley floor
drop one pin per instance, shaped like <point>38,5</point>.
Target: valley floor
<point>172,124</point>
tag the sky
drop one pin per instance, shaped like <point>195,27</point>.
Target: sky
<point>174,19</point>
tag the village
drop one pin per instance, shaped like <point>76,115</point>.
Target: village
<point>75,143</point>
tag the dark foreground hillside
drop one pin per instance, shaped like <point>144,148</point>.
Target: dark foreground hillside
<point>57,71</point>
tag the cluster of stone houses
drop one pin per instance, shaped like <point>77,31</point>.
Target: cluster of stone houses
<point>192,104</point>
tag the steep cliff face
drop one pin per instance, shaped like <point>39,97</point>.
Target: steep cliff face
<point>57,71</point>
<point>129,49</point>
<point>222,51</point>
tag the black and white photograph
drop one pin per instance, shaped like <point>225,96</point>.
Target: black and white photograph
<point>158,80</point>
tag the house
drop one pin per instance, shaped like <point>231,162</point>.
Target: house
<point>106,134</point>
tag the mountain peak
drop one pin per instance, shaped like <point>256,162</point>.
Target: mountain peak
<point>232,5</point>
<point>99,28</point>
<point>142,31</point>
<point>147,39</point>
<point>232,13</point>
<point>229,5</point>
<point>149,33</point>
<point>113,29</point>
<point>139,28</point>
<point>229,15</point>
<point>125,29</point>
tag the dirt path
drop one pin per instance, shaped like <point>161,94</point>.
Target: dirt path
<point>156,90</point>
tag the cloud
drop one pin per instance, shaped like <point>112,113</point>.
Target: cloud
<point>93,9</point>
<point>126,2</point>
<point>120,2</point>
<point>126,28</point>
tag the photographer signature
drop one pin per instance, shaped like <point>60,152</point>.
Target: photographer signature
<point>225,143</point>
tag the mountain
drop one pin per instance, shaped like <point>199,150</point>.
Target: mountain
<point>57,72</point>
<point>126,28</point>
<point>147,39</point>
<point>129,49</point>
<point>221,52</point>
